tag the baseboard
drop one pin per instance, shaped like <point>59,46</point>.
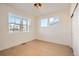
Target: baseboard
<point>23,43</point>
<point>56,43</point>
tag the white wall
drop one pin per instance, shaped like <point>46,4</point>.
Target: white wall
<point>12,39</point>
<point>59,33</point>
<point>75,31</point>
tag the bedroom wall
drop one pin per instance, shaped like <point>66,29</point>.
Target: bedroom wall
<point>59,33</point>
<point>12,39</point>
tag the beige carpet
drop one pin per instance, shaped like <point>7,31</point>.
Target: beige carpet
<point>38,48</point>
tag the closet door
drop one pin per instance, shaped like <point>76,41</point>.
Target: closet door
<point>75,31</point>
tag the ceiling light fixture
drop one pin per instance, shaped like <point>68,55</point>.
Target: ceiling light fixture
<point>37,5</point>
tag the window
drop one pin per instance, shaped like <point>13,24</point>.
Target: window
<point>25,25</point>
<point>53,20</point>
<point>11,22</point>
<point>49,21</point>
<point>17,23</point>
<point>44,22</point>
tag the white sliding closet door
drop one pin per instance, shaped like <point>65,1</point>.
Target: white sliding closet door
<point>75,31</point>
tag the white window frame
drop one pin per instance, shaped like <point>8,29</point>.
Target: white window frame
<point>48,21</point>
<point>20,25</point>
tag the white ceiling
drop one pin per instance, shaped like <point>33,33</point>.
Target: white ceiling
<point>45,9</point>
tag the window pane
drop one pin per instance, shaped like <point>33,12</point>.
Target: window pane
<point>44,22</point>
<point>17,20</point>
<point>24,28</point>
<point>56,19</point>
<point>17,28</point>
<point>11,19</point>
<point>53,20</point>
<point>11,27</point>
<point>25,21</point>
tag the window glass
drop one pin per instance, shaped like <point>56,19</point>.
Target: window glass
<point>11,18</point>
<point>44,22</point>
<point>53,20</point>
<point>17,23</point>
<point>17,20</point>
<point>25,25</point>
<point>11,27</point>
<point>24,22</point>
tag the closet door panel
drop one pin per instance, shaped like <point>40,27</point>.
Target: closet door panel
<point>75,31</point>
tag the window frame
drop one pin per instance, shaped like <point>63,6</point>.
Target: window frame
<point>48,21</point>
<point>18,25</point>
